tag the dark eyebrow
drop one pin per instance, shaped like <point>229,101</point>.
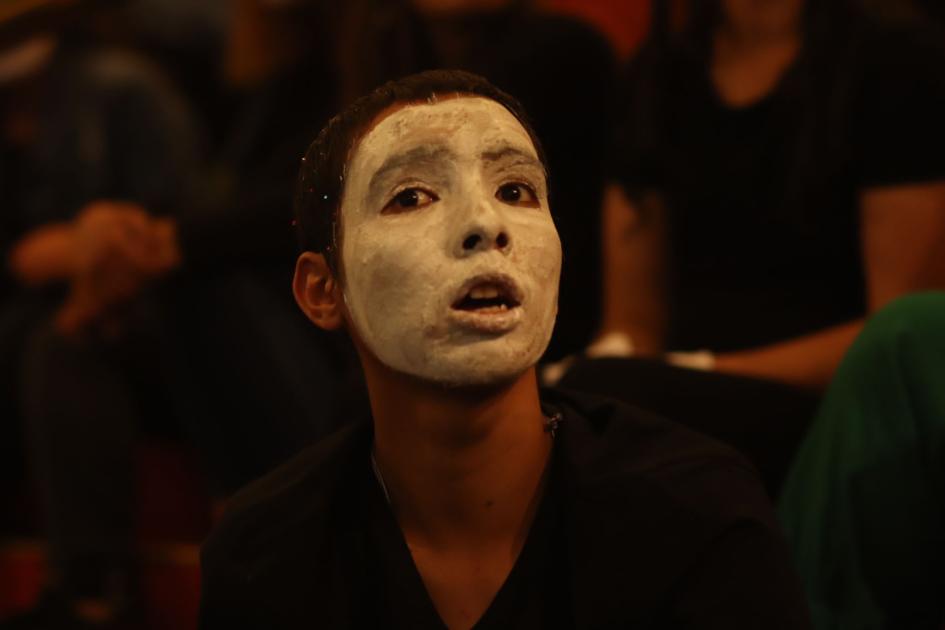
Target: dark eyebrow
<point>506,151</point>
<point>421,154</point>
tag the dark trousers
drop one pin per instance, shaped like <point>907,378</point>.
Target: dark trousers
<point>81,427</point>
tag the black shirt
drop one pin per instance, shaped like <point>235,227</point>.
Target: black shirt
<point>763,200</point>
<point>532,596</point>
<point>644,525</point>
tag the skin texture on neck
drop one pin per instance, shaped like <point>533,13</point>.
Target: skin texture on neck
<point>259,44</point>
<point>754,24</point>
<point>461,465</point>
<point>753,47</point>
<point>465,471</point>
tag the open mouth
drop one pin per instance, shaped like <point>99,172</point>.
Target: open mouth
<point>486,296</point>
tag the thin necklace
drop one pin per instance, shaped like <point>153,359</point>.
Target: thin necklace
<point>551,427</point>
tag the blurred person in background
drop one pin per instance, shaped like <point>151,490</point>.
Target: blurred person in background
<point>278,74</point>
<point>99,152</point>
<point>561,69</point>
<point>863,505</point>
<point>162,303</point>
<point>780,176</point>
<point>234,251</point>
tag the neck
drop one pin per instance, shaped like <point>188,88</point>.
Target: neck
<point>739,40</point>
<point>461,466</point>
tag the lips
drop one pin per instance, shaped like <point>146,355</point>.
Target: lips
<point>486,293</point>
<point>488,303</point>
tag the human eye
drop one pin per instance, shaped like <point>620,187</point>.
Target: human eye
<point>517,194</point>
<point>409,199</point>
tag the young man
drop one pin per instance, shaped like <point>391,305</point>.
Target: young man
<point>470,500</point>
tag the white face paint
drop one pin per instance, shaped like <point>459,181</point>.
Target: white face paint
<point>451,258</point>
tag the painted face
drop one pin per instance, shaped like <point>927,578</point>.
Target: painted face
<point>451,258</point>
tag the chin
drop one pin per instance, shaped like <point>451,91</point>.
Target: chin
<point>478,381</point>
<point>489,367</point>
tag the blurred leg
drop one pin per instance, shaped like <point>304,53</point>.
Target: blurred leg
<point>81,426</point>
<point>864,505</point>
<point>16,319</point>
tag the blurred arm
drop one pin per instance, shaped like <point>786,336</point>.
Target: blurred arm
<point>903,243</point>
<point>634,236</point>
<point>43,256</point>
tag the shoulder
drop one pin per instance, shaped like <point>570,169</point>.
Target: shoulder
<point>898,66</point>
<point>661,518</point>
<point>609,441</point>
<point>627,465</point>
<point>891,60</point>
<point>902,44</point>
<point>896,103</point>
<point>272,513</point>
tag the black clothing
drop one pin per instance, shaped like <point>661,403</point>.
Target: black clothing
<point>650,526</point>
<point>766,425</point>
<point>763,199</point>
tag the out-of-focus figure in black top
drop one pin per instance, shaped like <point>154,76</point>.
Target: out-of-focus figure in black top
<point>130,298</point>
<point>780,175</point>
<point>559,68</point>
<point>99,154</point>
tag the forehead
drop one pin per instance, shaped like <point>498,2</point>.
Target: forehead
<point>464,121</point>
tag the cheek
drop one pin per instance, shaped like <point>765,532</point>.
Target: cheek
<point>540,251</point>
<point>372,265</point>
<point>391,266</point>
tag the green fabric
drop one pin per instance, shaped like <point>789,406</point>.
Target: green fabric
<point>864,503</point>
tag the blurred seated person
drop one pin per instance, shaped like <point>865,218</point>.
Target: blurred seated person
<point>470,499</point>
<point>118,310</point>
<point>863,505</point>
<point>780,175</point>
<point>90,138</point>
<point>561,69</point>
<point>233,251</point>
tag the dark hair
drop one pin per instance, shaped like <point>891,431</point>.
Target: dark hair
<point>321,179</point>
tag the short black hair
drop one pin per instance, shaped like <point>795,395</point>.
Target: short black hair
<point>321,178</point>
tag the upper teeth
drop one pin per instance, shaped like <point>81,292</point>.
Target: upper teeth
<point>484,292</point>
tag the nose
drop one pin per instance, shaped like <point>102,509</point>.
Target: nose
<point>484,232</point>
<point>478,241</point>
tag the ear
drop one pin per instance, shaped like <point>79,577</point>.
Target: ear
<point>317,292</point>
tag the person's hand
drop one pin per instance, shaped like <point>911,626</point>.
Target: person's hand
<point>610,344</point>
<point>96,296</point>
<point>111,230</point>
<point>703,360</point>
<point>117,249</point>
